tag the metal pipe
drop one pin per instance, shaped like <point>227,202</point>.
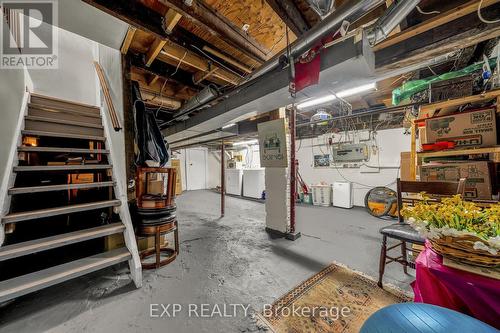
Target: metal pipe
<point>393,109</point>
<point>391,19</point>
<point>222,180</point>
<point>293,169</point>
<point>350,11</point>
<point>204,96</point>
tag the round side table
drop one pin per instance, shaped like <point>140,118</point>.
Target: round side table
<point>157,229</point>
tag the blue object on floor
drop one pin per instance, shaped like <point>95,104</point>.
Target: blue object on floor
<point>422,318</point>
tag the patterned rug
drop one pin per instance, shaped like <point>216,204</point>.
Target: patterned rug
<point>336,299</point>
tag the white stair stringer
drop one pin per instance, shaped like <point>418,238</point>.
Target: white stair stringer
<point>9,177</point>
<point>121,194</point>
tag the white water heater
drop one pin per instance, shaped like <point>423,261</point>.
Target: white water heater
<point>343,195</point>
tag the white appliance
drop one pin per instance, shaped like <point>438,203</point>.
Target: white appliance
<point>254,183</point>
<point>322,195</point>
<point>234,181</point>
<point>343,195</point>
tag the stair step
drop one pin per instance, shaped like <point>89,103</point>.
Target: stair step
<point>61,103</point>
<point>64,135</point>
<point>38,111</point>
<point>58,110</point>
<point>26,284</point>
<point>62,167</point>
<point>63,150</point>
<point>47,212</point>
<point>48,243</point>
<point>62,187</point>
<point>64,122</point>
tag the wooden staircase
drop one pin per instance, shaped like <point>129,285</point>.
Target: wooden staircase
<point>63,130</point>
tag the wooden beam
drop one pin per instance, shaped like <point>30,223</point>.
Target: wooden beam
<point>218,25</point>
<point>144,18</point>
<point>290,15</point>
<point>198,77</point>
<point>170,88</point>
<point>128,39</point>
<point>184,56</point>
<point>153,79</point>
<point>154,50</point>
<point>450,37</point>
<point>227,59</point>
<point>451,15</point>
<point>171,20</point>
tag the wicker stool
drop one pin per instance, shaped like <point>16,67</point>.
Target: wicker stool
<point>157,229</point>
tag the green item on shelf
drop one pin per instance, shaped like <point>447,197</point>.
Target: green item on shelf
<point>410,88</point>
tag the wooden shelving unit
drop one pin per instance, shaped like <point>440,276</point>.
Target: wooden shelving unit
<point>428,110</point>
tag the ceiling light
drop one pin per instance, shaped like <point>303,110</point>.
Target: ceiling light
<point>243,143</point>
<point>228,125</point>
<point>342,94</point>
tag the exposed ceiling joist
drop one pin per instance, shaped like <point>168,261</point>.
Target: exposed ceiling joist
<point>451,15</point>
<point>439,41</point>
<point>154,50</point>
<point>182,55</point>
<point>218,25</point>
<point>168,89</point>
<point>227,59</point>
<point>171,20</point>
<point>163,70</point>
<point>128,39</point>
<point>290,14</point>
<point>199,77</point>
<point>146,19</point>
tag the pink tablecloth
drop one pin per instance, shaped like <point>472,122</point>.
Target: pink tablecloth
<point>469,293</point>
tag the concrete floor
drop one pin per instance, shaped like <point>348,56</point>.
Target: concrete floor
<point>230,260</point>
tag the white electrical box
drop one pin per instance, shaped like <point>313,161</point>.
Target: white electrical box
<point>234,181</point>
<point>343,195</point>
<point>254,183</point>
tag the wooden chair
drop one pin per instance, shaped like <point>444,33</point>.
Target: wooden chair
<point>403,231</point>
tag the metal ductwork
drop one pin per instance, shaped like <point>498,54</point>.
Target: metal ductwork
<point>350,11</point>
<point>207,94</point>
<point>390,20</point>
<point>322,7</point>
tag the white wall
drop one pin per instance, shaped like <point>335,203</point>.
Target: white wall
<point>13,84</point>
<point>110,61</point>
<point>383,166</point>
<point>74,80</point>
<point>390,142</point>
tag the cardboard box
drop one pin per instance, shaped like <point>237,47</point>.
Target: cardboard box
<point>467,129</point>
<point>176,164</point>
<point>477,173</point>
<point>406,166</point>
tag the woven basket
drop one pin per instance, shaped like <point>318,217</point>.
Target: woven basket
<point>462,249</point>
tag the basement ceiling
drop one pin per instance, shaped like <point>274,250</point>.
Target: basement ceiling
<point>176,48</point>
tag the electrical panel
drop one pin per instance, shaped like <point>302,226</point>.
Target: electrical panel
<point>350,153</point>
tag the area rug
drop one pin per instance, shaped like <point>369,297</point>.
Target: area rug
<point>337,299</point>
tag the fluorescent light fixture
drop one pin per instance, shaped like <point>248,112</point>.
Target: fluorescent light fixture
<point>243,143</point>
<point>342,94</point>
<point>228,125</point>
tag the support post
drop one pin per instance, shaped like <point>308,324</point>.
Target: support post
<point>222,180</point>
<point>293,235</point>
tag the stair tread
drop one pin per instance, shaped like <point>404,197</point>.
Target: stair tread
<point>63,150</point>
<point>63,122</point>
<point>47,212</point>
<point>48,243</point>
<point>59,187</point>
<point>64,135</point>
<point>56,99</point>
<point>58,109</point>
<point>26,284</point>
<point>62,167</point>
